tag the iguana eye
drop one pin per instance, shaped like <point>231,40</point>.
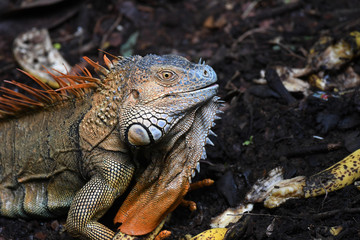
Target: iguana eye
<point>167,75</point>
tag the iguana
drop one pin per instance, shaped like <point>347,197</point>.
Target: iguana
<point>146,118</point>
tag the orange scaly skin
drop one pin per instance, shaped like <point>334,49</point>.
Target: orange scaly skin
<point>146,119</point>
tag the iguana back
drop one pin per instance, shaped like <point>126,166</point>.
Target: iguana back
<point>39,155</point>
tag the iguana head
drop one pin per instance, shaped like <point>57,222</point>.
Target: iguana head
<point>167,111</point>
<point>160,91</point>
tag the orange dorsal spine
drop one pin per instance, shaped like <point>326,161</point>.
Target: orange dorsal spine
<point>13,103</point>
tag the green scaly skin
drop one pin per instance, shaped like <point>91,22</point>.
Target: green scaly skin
<point>79,155</point>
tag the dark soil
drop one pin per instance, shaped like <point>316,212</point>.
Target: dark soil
<point>236,39</point>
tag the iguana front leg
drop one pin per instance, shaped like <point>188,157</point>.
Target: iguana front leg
<point>113,174</point>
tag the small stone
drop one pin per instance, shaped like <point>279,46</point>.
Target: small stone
<point>40,235</point>
<point>55,225</point>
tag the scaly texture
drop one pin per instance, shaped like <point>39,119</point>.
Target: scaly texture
<point>147,117</point>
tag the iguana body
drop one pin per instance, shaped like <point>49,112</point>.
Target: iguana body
<point>147,115</point>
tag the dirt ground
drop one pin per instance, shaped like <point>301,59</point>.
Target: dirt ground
<point>238,39</point>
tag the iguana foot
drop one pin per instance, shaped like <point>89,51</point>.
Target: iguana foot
<point>193,186</point>
<point>200,184</point>
<point>163,234</point>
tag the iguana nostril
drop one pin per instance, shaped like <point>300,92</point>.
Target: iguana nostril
<point>138,136</point>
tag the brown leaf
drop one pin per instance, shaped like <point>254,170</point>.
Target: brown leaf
<point>209,22</point>
<point>40,235</point>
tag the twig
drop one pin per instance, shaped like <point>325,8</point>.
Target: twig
<point>247,34</point>
<point>313,216</point>
<point>110,30</point>
<point>290,51</point>
<point>248,10</point>
<point>335,212</point>
<point>283,9</point>
<point>275,216</point>
<point>308,150</point>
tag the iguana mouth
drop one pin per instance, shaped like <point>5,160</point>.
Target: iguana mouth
<point>163,185</point>
<point>206,90</point>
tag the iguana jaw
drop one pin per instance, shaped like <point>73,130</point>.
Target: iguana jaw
<point>159,117</point>
<point>163,185</point>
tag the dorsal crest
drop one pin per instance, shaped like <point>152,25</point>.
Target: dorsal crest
<point>13,103</point>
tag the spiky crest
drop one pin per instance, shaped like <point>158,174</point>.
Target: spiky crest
<point>13,103</point>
